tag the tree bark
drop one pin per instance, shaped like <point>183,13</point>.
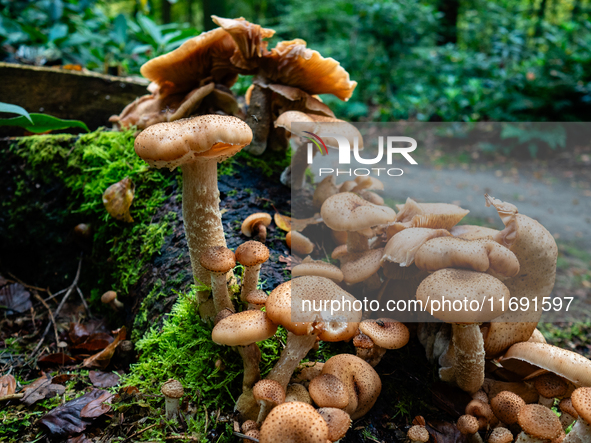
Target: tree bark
<point>449,22</point>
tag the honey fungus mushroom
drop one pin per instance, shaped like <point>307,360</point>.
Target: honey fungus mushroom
<point>426,215</point>
<point>196,145</point>
<point>294,422</point>
<point>384,333</point>
<point>538,424</point>
<point>219,260</point>
<point>251,255</point>
<point>255,225</point>
<point>581,402</point>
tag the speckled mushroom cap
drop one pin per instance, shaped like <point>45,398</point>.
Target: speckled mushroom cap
<point>527,357</point>
<point>460,284</point>
<point>478,255</point>
<point>294,422</point>
<point>468,424</point>
<point>270,391</point>
<point>328,390</point>
<point>360,266</point>
<point>349,212</point>
<point>299,243</point>
<point>385,332</point>
<point>252,219</point>
<point>257,297</point>
<point>338,422</point>
<point>360,379</point>
<point>418,433</point>
<point>472,232</point>
<point>506,405</point>
<point>581,399</point>
<point>172,388</point>
<point>403,246</point>
<point>540,422</point>
<point>218,259</point>
<point>500,435</point>
<point>426,215</point>
<point>550,385</point>
<point>289,97</point>
<point>108,297</point>
<point>243,328</point>
<point>205,137</point>
<point>297,392</point>
<point>318,268</point>
<point>338,326</point>
<point>369,183</point>
<point>252,253</point>
<point>566,406</point>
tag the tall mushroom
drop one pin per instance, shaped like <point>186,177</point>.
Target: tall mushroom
<point>219,260</point>
<point>251,255</point>
<point>197,145</point>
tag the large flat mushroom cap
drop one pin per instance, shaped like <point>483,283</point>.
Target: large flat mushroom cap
<point>183,141</point>
<point>581,401</point>
<point>385,332</point>
<point>403,246</point>
<point>207,55</point>
<point>360,266</point>
<point>294,422</point>
<point>349,212</point>
<point>528,357</point>
<point>472,232</point>
<point>291,63</point>
<point>459,285</point>
<point>318,268</point>
<point>426,215</point>
<point>539,422</point>
<point>243,328</point>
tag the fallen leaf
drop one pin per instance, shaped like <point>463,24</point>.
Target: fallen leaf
<point>78,333</point>
<point>103,379</point>
<point>66,420</point>
<point>445,432</point>
<point>15,297</point>
<point>103,358</point>
<point>79,439</point>
<point>40,389</point>
<point>117,199</point>
<point>62,378</point>
<point>97,407</point>
<point>7,385</point>
<point>283,222</point>
<point>58,358</point>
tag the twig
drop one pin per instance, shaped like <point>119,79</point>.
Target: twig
<point>18,280</point>
<point>247,437</point>
<point>182,437</point>
<point>140,432</point>
<point>11,397</point>
<point>38,297</point>
<point>56,294</point>
<point>59,307</point>
<point>83,301</point>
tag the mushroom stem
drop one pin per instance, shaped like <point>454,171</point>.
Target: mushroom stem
<point>259,117</point>
<point>469,361</point>
<point>219,289</point>
<point>250,280</point>
<point>580,432</point>
<point>172,407</point>
<point>372,355</point>
<point>201,212</point>
<point>296,348</point>
<point>259,231</point>
<point>246,403</point>
<point>356,242</point>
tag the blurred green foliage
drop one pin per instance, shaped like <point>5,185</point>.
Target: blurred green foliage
<point>513,61</point>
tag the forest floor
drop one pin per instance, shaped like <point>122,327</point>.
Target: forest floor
<point>82,356</point>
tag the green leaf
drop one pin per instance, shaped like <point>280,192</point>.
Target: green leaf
<point>42,123</point>
<point>14,109</point>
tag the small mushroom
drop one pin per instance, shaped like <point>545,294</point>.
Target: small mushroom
<point>418,434</point>
<point>581,431</point>
<point>550,386</point>
<point>568,414</point>
<point>362,266</point>
<point>506,406</point>
<point>468,425</point>
<point>385,334</point>
<point>268,394</point>
<point>500,435</point>
<point>538,424</point>
<point>172,391</point>
<point>299,243</point>
<point>294,422</point>
<point>110,298</point>
<point>318,268</point>
<point>328,390</point>
<point>219,260</point>
<point>251,255</point>
<point>338,422</point>
<point>255,225</point>
<point>256,299</point>
<point>297,392</point>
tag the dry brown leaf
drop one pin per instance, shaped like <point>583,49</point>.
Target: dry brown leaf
<point>7,385</point>
<point>118,198</point>
<point>98,406</point>
<point>40,389</point>
<point>103,358</point>
<point>283,222</point>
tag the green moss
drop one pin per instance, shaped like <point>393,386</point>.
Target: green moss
<point>270,163</point>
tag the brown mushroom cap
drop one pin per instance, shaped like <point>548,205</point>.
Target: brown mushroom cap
<point>478,255</point>
<point>426,215</point>
<point>540,422</point>
<point>500,435</point>
<point>269,391</point>
<point>297,392</point>
<point>550,385</point>
<point>327,390</point>
<point>218,259</point>
<point>249,425</point>
<point>459,284</point>
<point>349,212</point>
<point>243,328</point>
<point>418,433</point>
<point>252,253</point>
<point>257,297</point>
<point>566,406</point>
<point>294,422</point>
<point>318,268</point>
<point>527,357</point>
<point>403,246</point>
<point>360,266</point>
<point>108,297</point>
<point>299,243</point>
<point>338,422</point>
<point>386,333</point>
<point>506,405</point>
<point>183,141</point>
<point>288,97</point>
<point>581,399</point>
<point>360,379</point>
<point>172,388</point>
<point>472,232</point>
<point>250,221</point>
<point>468,424</point>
